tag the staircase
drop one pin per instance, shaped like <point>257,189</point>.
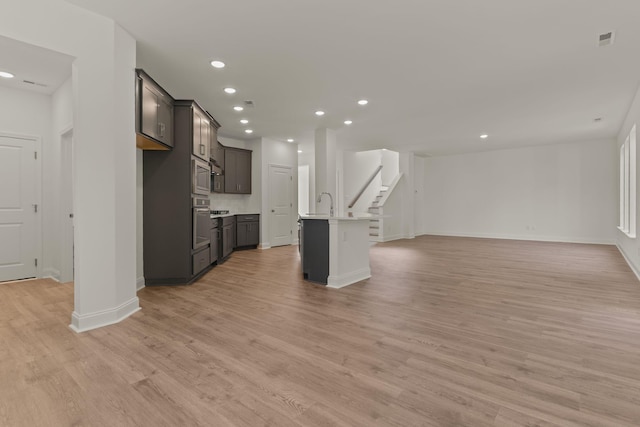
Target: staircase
<point>375,225</point>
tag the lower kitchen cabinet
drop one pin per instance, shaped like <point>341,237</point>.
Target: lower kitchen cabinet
<point>215,241</point>
<point>247,230</point>
<point>228,235</point>
<point>200,260</point>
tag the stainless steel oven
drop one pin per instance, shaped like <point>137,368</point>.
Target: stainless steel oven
<point>200,177</point>
<point>201,222</point>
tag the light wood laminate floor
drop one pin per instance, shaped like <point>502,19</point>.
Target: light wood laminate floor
<point>448,332</point>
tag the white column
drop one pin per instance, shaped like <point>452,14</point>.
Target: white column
<point>105,184</point>
<point>325,168</point>
<point>408,194</point>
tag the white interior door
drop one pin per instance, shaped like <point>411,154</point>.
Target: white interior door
<point>281,205</point>
<point>66,207</point>
<point>18,208</point>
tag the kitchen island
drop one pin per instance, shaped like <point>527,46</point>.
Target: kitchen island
<point>335,250</point>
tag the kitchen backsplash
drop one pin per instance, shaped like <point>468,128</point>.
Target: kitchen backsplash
<point>234,203</point>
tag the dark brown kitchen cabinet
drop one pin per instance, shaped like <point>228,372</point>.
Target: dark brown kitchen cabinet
<point>154,114</point>
<point>247,230</point>
<point>171,256</point>
<point>217,156</point>
<point>201,134</point>
<point>237,171</point>
<point>214,247</point>
<point>228,235</point>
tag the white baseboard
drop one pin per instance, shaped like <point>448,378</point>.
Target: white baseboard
<point>140,283</point>
<point>51,273</point>
<point>337,282</point>
<point>264,246</point>
<point>628,260</point>
<point>87,322</point>
<point>534,238</point>
<point>393,237</point>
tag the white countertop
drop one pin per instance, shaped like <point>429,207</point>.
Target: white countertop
<point>212,216</point>
<point>351,216</point>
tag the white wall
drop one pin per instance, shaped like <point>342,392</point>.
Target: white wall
<point>139,220</point>
<point>358,167</point>
<point>630,247</point>
<point>303,189</point>
<point>62,113</point>
<point>390,166</point>
<point>308,158</point>
<point>104,150</point>
<point>562,192</point>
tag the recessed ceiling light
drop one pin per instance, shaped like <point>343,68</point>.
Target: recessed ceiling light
<point>299,151</point>
<point>363,102</point>
<point>217,64</point>
<point>229,90</point>
<point>290,140</point>
<point>484,136</point>
<point>238,108</point>
<point>244,121</point>
<point>6,75</point>
<point>248,131</point>
<point>348,122</point>
<point>319,113</point>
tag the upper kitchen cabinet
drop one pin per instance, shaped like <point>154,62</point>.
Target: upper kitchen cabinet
<point>237,171</point>
<point>201,133</point>
<point>154,114</point>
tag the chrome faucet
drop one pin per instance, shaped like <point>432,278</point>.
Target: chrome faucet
<point>330,199</point>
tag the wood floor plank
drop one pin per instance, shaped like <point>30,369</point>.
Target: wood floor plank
<point>447,332</point>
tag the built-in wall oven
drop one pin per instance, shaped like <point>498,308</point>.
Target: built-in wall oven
<point>201,222</point>
<point>200,177</point>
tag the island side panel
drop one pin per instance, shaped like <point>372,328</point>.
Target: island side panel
<point>315,250</point>
<point>348,252</point>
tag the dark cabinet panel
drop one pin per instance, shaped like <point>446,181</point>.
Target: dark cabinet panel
<point>247,230</point>
<point>314,250</point>
<point>228,235</point>
<point>154,111</point>
<point>215,241</point>
<point>237,171</point>
<point>200,260</point>
<point>201,131</point>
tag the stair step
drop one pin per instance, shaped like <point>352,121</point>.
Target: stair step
<point>374,227</point>
<point>374,233</point>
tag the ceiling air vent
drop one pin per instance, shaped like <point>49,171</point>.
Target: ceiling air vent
<point>30,82</point>
<point>249,104</point>
<point>606,39</point>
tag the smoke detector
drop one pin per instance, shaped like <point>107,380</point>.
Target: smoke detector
<point>605,39</point>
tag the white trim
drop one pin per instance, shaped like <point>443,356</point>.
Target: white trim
<point>337,282</point>
<point>51,273</point>
<point>264,246</point>
<point>87,322</point>
<point>524,237</point>
<point>394,237</point>
<point>628,260</point>
<point>140,283</point>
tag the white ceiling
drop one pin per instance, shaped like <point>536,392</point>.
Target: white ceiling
<point>438,73</point>
<point>45,69</point>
